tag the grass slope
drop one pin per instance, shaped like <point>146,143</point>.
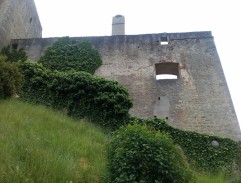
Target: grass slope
<point>40,145</point>
<point>204,178</point>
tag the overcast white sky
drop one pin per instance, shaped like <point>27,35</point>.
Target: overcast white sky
<point>94,18</point>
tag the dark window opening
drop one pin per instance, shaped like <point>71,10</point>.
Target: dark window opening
<point>30,20</point>
<point>159,98</point>
<point>14,46</point>
<point>164,40</point>
<point>167,70</point>
<point>166,118</point>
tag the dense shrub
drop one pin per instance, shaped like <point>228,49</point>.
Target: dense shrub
<point>10,78</point>
<point>14,55</point>
<point>67,55</point>
<point>236,180</point>
<point>138,154</point>
<point>198,147</point>
<point>80,94</point>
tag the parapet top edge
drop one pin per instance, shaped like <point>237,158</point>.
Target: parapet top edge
<point>173,36</point>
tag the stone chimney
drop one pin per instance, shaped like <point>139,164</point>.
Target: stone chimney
<point>118,25</point>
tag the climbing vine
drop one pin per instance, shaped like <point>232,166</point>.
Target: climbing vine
<point>14,55</point>
<point>198,148</point>
<point>79,94</point>
<point>10,78</point>
<point>66,54</point>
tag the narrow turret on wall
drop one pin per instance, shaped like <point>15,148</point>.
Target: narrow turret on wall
<point>118,25</point>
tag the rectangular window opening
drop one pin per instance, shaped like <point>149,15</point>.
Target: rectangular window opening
<point>167,71</point>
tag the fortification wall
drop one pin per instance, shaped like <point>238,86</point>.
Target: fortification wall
<point>198,100</point>
<point>18,19</point>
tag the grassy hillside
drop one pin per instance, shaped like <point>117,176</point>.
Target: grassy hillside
<point>40,145</point>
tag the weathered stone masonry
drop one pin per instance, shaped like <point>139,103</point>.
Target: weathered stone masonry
<point>198,100</point>
<point>18,19</point>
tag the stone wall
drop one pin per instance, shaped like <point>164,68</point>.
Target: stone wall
<point>18,19</point>
<point>198,100</point>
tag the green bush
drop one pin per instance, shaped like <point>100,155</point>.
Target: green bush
<point>67,55</point>
<point>237,180</point>
<point>80,94</point>
<point>198,147</point>
<point>139,154</point>
<point>10,78</point>
<point>14,55</point>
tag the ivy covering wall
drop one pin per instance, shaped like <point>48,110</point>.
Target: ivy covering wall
<point>198,148</point>
<point>14,55</point>
<point>66,54</point>
<point>10,78</point>
<point>79,94</point>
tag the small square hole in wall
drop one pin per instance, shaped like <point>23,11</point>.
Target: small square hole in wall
<point>14,46</point>
<point>164,40</point>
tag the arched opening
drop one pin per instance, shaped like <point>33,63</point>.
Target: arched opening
<point>167,70</point>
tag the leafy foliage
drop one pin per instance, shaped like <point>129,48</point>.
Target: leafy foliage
<point>138,154</point>
<point>14,55</point>
<point>236,180</point>
<point>10,78</point>
<point>198,147</point>
<point>80,94</point>
<point>67,55</point>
